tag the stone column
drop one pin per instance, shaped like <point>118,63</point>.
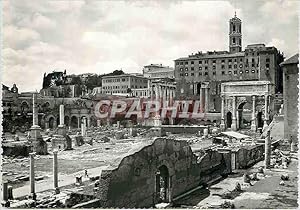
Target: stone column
<point>267,149</point>
<point>61,127</point>
<point>61,115</point>
<point>206,100</point>
<point>35,121</point>
<point>55,171</point>
<point>222,125</point>
<point>237,119</point>
<point>79,122</point>
<point>253,123</point>
<point>201,100</point>
<point>195,89</point>
<point>32,176</point>
<point>83,127</point>
<point>266,112</point>
<point>156,92</point>
<point>233,125</point>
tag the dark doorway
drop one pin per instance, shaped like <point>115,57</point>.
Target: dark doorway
<point>198,88</point>
<point>260,122</point>
<point>229,119</point>
<point>51,122</point>
<point>74,122</point>
<point>67,119</point>
<point>162,185</point>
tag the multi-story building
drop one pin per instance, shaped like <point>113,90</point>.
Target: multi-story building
<point>122,84</point>
<point>290,98</point>
<point>210,69</point>
<point>158,71</point>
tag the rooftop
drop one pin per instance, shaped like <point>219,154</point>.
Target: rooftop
<point>292,60</point>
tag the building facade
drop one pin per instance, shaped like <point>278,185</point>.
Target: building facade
<point>158,71</point>
<point>203,73</point>
<point>122,84</point>
<point>290,98</point>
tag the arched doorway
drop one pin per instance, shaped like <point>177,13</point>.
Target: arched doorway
<point>240,116</point>
<point>67,119</point>
<point>228,119</point>
<point>51,122</point>
<point>74,122</point>
<point>260,122</point>
<point>162,184</point>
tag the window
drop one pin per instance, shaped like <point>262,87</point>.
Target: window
<point>235,66</point>
<point>206,67</point>
<point>223,72</point>
<point>192,68</point>
<point>241,72</point>
<point>253,71</point>
<point>223,61</point>
<point>230,60</point>
<point>200,62</point>
<point>253,54</point>
<point>241,59</point>
<point>267,65</point>
<point>267,60</point>
<point>192,74</point>
<point>214,61</point>
<point>229,72</point>
<point>241,66</point>
<point>192,62</point>
<point>200,68</point>
<point>235,60</point>
<point>246,54</point>
<point>177,63</point>
<point>229,66</point>
<point>214,73</point>
<point>206,61</point>
<point>181,74</point>
<point>233,28</point>
<point>181,63</point>
<point>186,74</point>
<point>247,71</point>
<point>200,73</point>
<point>206,73</point>
<point>214,67</point>
<point>223,67</point>
<point>253,65</point>
<point>235,72</point>
<point>186,69</point>
<point>186,63</point>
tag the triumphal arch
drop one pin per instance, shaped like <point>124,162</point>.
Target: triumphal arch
<point>258,94</point>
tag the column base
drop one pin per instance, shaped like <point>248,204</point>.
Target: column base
<point>32,196</point>
<point>234,125</point>
<point>222,126</point>
<point>57,191</point>
<point>61,130</point>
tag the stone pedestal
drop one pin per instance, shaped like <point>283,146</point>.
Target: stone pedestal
<point>61,130</point>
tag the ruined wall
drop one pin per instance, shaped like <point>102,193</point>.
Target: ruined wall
<point>16,149</point>
<point>133,182</point>
<point>246,157</point>
<point>182,129</point>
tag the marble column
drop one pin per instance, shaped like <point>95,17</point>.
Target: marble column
<point>83,127</point>
<point>222,125</point>
<point>237,119</point>
<point>79,122</point>
<point>55,171</point>
<point>201,100</point>
<point>266,120</point>
<point>253,122</point>
<point>206,100</point>
<point>156,93</point>
<point>195,89</point>
<point>233,125</point>
<point>32,176</point>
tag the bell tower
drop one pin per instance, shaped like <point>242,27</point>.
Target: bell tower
<point>235,34</point>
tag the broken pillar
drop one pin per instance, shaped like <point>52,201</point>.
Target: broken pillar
<point>31,177</point>
<point>267,150</point>
<point>55,172</point>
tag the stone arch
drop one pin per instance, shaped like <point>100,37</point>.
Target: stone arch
<point>51,122</point>
<point>162,180</point>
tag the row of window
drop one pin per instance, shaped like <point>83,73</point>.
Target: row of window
<point>124,80</point>
<point>122,87</point>
<point>223,73</point>
<point>117,91</point>
<point>229,67</point>
<point>215,61</point>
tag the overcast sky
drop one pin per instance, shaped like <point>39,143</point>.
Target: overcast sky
<point>101,36</point>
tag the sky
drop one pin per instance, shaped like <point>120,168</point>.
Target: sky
<point>102,36</point>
